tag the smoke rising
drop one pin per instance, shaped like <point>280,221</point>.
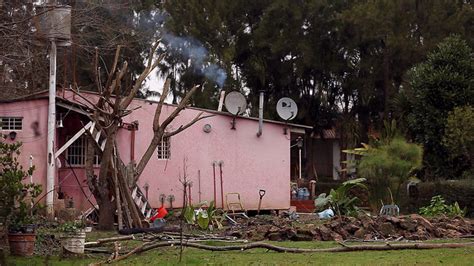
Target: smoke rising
<point>193,50</point>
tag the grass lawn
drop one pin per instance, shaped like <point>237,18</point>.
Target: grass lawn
<point>169,256</point>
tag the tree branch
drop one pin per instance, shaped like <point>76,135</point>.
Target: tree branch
<point>180,107</point>
<point>114,66</point>
<point>164,94</point>
<point>149,246</point>
<point>183,127</point>
<point>160,131</point>
<point>138,83</point>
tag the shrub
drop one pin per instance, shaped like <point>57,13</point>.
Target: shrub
<point>438,207</point>
<point>459,137</point>
<point>340,199</point>
<point>388,166</point>
<point>16,197</point>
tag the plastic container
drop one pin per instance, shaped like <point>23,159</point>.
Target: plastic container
<point>303,193</point>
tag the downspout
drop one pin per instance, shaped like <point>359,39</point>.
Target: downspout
<point>132,145</point>
<point>260,113</point>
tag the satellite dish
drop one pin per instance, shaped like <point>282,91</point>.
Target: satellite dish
<point>287,108</point>
<point>235,103</point>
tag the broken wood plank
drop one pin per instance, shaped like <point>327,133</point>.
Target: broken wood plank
<point>99,242</point>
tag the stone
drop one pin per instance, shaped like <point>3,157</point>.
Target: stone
<point>307,232</point>
<point>325,233</point>
<point>274,237</point>
<point>393,219</point>
<point>237,234</point>
<point>351,228</point>
<point>423,221</point>
<point>302,237</point>
<point>408,224</point>
<point>336,237</point>
<point>360,233</point>
<point>366,221</point>
<point>289,233</point>
<point>368,237</point>
<point>273,229</point>
<point>387,229</point>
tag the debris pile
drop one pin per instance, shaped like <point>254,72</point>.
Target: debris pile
<point>410,227</point>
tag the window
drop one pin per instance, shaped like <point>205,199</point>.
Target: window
<point>76,153</point>
<point>164,151</point>
<point>11,123</point>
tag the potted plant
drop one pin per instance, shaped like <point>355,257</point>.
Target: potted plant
<point>17,200</point>
<point>73,236</point>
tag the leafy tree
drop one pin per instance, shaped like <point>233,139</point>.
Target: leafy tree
<point>459,137</point>
<point>438,85</point>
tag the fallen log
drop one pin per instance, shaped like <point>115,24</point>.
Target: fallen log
<point>343,248</point>
<point>99,242</point>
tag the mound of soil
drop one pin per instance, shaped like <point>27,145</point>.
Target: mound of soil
<point>409,227</point>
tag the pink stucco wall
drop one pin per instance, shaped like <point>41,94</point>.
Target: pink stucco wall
<point>33,134</point>
<point>250,162</point>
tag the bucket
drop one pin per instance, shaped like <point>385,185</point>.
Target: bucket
<point>21,244</point>
<point>74,242</point>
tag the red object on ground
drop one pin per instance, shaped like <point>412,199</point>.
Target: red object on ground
<point>162,212</point>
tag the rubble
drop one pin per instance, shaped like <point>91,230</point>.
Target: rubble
<point>410,227</point>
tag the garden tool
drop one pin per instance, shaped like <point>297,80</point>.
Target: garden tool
<point>171,199</point>
<point>214,172</point>
<point>162,199</point>
<point>221,163</point>
<point>261,193</point>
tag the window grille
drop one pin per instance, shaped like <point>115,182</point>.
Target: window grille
<point>164,151</point>
<point>11,123</point>
<point>76,153</point>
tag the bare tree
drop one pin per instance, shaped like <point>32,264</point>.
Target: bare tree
<point>108,112</point>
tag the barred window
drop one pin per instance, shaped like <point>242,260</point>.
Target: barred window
<point>164,151</point>
<point>11,123</point>
<point>76,152</point>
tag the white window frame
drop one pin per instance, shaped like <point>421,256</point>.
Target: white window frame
<point>164,149</point>
<point>76,153</point>
<point>11,123</point>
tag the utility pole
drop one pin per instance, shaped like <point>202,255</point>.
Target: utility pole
<point>54,29</point>
<point>51,164</point>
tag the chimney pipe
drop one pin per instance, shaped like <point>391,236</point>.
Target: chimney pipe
<point>260,114</point>
<point>221,101</point>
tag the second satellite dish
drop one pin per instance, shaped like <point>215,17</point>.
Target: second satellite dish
<point>287,108</point>
<point>235,103</point>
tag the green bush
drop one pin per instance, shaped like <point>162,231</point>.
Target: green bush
<point>439,207</point>
<point>387,167</point>
<point>16,197</point>
<point>340,199</point>
<point>461,191</point>
<point>459,137</point>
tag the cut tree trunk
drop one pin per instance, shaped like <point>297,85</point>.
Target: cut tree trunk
<point>106,212</point>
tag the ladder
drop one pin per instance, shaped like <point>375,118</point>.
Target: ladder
<point>142,203</point>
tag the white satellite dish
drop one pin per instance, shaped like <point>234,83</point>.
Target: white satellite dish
<point>235,103</point>
<point>287,108</point>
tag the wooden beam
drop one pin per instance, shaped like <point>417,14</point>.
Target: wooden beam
<point>71,140</point>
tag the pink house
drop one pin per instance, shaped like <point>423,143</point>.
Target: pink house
<point>248,163</point>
